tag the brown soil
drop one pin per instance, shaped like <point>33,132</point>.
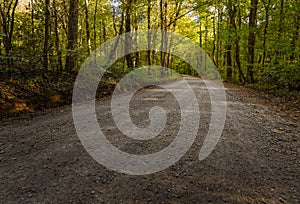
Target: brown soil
<point>255,161</point>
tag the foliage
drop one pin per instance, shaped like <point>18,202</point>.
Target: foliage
<point>221,28</point>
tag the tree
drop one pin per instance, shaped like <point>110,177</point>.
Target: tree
<point>251,40</point>
<point>87,24</point>
<point>46,35</point>
<point>71,59</point>
<point>7,11</point>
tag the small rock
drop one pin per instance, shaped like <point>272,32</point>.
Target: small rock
<point>282,200</point>
<point>104,180</point>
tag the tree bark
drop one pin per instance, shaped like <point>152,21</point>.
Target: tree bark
<point>94,27</point>
<point>87,26</point>
<point>162,37</point>
<point>7,10</point>
<point>267,8</point>
<point>149,37</point>
<point>128,37</point>
<point>228,46</point>
<point>71,59</point>
<point>46,35</point>
<point>57,39</point>
<point>237,44</point>
<point>251,41</point>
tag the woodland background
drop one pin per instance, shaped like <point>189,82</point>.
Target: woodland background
<point>43,43</point>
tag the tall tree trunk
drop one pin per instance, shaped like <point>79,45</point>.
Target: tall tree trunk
<point>230,24</point>
<point>162,37</point>
<point>206,32</point>
<point>237,43</point>
<point>128,37</point>
<point>72,56</point>
<point>214,39</point>
<point>57,39</point>
<point>7,10</point>
<point>46,35</point>
<point>94,27</point>
<point>267,8</point>
<point>87,26</point>
<point>251,41</point>
<point>32,24</point>
<point>149,37</point>
<point>166,41</point>
<point>278,50</point>
<point>200,32</point>
<point>218,38</point>
<point>136,54</point>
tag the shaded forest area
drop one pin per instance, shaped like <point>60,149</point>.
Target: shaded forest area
<point>43,43</point>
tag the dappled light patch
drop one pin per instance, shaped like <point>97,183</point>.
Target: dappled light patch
<point>55,98</point>
<point>21,106</point>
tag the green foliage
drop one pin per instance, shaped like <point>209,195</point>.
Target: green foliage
<point>281,76</point>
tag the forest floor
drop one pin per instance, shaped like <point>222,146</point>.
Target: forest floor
<point>257,159</point>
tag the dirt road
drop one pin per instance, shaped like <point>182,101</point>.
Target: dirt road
<point>257,159</point>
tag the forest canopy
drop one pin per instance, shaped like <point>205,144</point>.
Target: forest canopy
<point>43,43</point>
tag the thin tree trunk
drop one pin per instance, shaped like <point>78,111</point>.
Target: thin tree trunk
<point>95,20</point>
<point>237,45</point>
<point>162,37</point>
<point>200,32</point>
<point>8,21</point>
<point>218,36</point>
<point>206,31</point>
<point>57,47</point>
<point>214,38</point>
<point>165,33</point>
<point>251,41</point>
<point>230,24</point>
<point>267,8</point>
<point>149,37</point>
<point>128,37</point>
<point>46,35</point>
<point>87,26</point>
<point>32,24</point>
<point>280,29</point>
<point>137,54</point>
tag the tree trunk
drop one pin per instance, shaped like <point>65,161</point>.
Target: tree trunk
<point>280,29</point>
<point>200,29</point>
<point>32,24</point>
<point>87,26</point>
<point>8,21</point>
<point>162,37</point>
<point>218,37</point>
<point>149,37</point>
<point>46,35</point>
<point>237,44</point>
<point>214,38</point>
<point>228,46</point>
<point>128,37</point>
<point>251,41</point>
<point>57,39</point>
<point>95,18</point>
<point>267,8</point>
<point>71,59</point>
